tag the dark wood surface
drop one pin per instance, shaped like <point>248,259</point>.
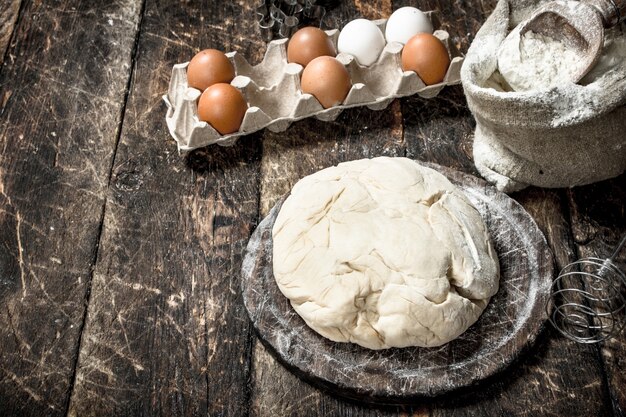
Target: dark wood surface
<point>120,258</point>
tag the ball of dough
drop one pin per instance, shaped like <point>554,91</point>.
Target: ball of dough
<point>383,253</point>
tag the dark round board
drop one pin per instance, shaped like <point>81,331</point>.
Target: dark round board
<point>511,321</point>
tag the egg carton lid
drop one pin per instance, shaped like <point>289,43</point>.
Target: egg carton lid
<point>272,90</point>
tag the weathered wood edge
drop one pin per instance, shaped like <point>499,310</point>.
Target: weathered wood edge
<point>166,331</point>
<point>58,130</point>
<point>122,114</point>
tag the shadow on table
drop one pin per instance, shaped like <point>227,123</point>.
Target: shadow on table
<point>213,158</point>
<point>498,385</point>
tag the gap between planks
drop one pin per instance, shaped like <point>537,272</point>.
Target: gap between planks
<point>568,196</point>
<point>96,251</point>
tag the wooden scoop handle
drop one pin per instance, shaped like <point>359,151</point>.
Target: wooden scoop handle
<point>612,11</point>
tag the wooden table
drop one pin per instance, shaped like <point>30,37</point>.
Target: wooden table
<point>120,258</point>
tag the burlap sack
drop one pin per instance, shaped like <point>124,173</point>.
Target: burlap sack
<point>569,135</point>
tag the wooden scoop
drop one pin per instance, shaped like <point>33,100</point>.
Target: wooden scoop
<point>580,25</point>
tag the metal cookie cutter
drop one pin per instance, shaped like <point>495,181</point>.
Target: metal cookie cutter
<point>313,10</point>
<point>281,18</point>
<point>285,13</point>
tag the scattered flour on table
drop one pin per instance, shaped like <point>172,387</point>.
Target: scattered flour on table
<point>533,61</point>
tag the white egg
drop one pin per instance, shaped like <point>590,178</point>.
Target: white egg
<point>405,23</point>
<point>362,39</point>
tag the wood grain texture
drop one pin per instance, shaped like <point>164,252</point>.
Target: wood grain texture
<point>166,333</point>
<point>59,119</point>
<point>511,321</point>
<point>440,129</point>
<point>9,11</point>
<point>599,222</point>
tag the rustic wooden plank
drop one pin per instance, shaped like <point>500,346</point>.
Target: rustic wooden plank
<point>9,11</point>
<point>288,157</point>
<point>311,145</point>
<point>59,119</point>
<point>166,331</point>
<point>556,376</point>
<point>443,134</point>
<point>440,129</point>
<point>304,148</point>
<point>598,224</point>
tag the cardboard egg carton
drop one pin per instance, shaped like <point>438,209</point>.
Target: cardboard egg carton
<point>272,90</point>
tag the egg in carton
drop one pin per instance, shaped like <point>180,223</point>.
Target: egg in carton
<point>275,100</point>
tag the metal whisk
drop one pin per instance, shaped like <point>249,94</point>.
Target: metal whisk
<point>588,298</point>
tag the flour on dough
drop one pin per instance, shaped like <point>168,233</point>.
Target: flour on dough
<point>383,253</point>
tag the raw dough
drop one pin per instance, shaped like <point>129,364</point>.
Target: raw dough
<point>383,253</point>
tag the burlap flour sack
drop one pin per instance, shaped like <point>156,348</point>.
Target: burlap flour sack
<point>565,136</point>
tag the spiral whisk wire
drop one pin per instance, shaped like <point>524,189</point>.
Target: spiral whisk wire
<point>588,299</point>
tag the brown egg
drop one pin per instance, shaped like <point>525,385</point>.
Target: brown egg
<point>427,56</point>
<point>223,107</point>
<point>326,79</point>
<point>307,44</point>
<point>209,67</point>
